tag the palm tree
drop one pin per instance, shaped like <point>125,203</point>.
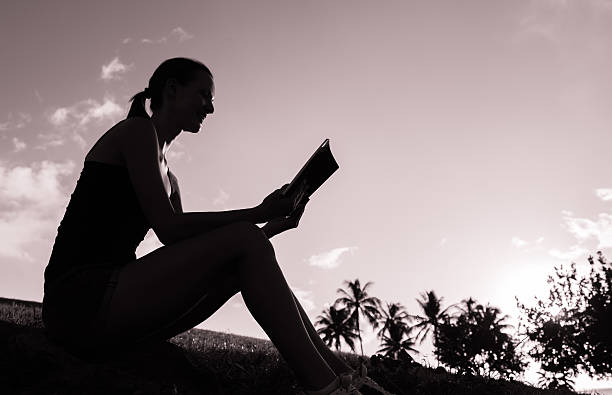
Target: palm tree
<point>359,303</point>
<point>491,318</point>
<point>395,314</point>
<point>335,326</point>
<point>395,343</point>
<point>489,324</point>
<point>431,305</point>
<point>469,307</point>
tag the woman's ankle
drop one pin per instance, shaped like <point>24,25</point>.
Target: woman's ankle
<point>329,388</point>
<point>350,371</point>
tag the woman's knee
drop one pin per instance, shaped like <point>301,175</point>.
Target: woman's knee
<point>253,238</point>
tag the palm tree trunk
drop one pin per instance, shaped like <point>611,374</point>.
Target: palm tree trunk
<point>359,333</point>
<point>436,344</point>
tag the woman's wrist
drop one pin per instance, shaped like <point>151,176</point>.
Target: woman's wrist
<point>255,215</point>
<point>272,229</point>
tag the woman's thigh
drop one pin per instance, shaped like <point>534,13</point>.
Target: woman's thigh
<point>196,273</point>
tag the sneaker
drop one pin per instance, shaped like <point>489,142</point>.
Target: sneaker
<point>342,386</point>
<point>361,380</point>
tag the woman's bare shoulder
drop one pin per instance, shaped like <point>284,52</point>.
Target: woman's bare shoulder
<point>135,123</point>
<point>133,130</point>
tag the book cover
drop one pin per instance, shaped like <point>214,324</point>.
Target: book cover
<point>315,172</point>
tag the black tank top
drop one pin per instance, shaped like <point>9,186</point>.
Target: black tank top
<point>103,222</point>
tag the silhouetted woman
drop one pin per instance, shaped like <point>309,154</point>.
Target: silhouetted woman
<point>99,296</point>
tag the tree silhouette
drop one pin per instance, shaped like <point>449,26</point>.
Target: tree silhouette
<point>431,306</point>
<point>555,381</point>
<point>360,303</point>
<point>469,304</point>
<point>395,314</point>
<point>335,326</point>
<point>571,331</point>
<point>473,342</point>
<point>396,340</point>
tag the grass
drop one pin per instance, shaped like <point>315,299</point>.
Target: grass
<point>246,365</point>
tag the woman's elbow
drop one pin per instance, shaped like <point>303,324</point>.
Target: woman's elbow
<point>166,231</point>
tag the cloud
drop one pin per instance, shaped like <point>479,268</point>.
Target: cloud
<point>330,259</point>
<point>221,199</point>
<point>59,116</point>
<point>518,243</point>
<point>19,145</point>
<point>72,121</point>
<point>178,32</point>
<point>604,194</point>
<point>305,298</point>
<point>17,231</point>
<point>443,242</point>
<point>585,229</point>
<point>107,109</point>
<point>181,34</point>
<point>114,68</point>
<point>574,252</point>
<point>36,185</point>
<point>18,121</point>
<point>85,111</point>
<point>126,40</point>
<point>50,140</point>
<point>31,204</point>
<point>527,246</point>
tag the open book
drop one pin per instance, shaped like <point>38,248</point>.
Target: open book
<point>315,172</point>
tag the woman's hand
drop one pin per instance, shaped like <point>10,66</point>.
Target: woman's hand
<point>277,206</point>
<point>281,224</point>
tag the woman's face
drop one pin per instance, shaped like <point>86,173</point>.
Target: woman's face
<point>195,101</point>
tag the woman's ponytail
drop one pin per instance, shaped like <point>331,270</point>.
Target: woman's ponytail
<point>138,109</point>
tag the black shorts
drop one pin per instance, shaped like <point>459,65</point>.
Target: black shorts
<point>76,307</point>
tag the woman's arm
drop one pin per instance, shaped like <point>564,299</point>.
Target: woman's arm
<point>141,152</point>
<point>221,217</point>
<point>175,197</point>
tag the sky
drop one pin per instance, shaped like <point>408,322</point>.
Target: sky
<point>472,137</point>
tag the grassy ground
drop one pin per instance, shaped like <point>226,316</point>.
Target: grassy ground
<point>235,364</point>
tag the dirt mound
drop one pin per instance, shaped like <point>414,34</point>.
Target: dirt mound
<point>31,363</point>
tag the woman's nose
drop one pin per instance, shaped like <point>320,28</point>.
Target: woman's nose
<point>208,107</point>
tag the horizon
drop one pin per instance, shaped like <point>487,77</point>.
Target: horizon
<point>471,138</point>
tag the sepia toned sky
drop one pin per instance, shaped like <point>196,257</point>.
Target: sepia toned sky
<point>473,137</point>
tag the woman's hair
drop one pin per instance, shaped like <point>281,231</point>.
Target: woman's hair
<point>183,69</point>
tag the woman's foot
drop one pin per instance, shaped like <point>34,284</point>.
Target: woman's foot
<point>361,381</point>
<point>342,385</point>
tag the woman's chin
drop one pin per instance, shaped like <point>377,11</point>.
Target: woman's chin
<point>194,129</point>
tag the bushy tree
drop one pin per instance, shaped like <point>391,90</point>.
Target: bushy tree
<point>473,342</point>
<point>571,331</point>
<point>597,319</point>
